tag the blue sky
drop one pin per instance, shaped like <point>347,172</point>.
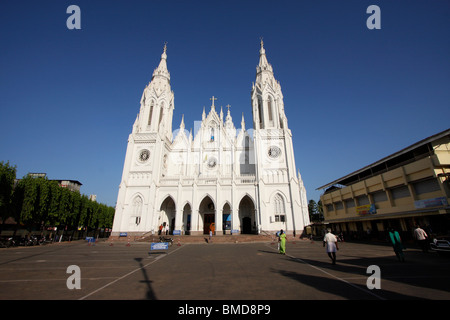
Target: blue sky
<point>352,96</point>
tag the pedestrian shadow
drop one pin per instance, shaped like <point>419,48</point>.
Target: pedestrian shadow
<point>418,274</point>
<point>150,293</point>
<point>340,288</point>
<point>271,252</point>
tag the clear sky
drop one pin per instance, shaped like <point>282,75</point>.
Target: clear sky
<point>352,96</point>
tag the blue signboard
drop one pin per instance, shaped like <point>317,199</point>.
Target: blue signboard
<point>123,234</point>
<point>159,246</point>
<point>176,232</point>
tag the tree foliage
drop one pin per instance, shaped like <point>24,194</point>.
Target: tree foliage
<point>36,202</point>
<point>315,211</point>
<point>7,177</point>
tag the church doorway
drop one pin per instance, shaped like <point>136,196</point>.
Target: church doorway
<point>208,221</point>
<point>246,225</point>
<point>247,215</point>
<point>167,214</point>
<point>207,213</point>
<point>186,226</point>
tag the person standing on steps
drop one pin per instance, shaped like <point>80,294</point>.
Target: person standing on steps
<point>331,242</point>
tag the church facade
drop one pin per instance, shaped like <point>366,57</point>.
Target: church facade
<point>237,180</point>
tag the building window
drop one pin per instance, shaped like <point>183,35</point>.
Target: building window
<point>260,111</point>
<point>150,116</point>
<point>400,192</point>
<point>379,196</point>
<point>137,208</point>
<point>363,200</point>
<point>426,186</point>
<point>279,208</point>
<point>269,108</point>
<point>349,203</point>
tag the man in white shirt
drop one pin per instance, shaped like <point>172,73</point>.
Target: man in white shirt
<point>330,241</point>
<point>421,236</point>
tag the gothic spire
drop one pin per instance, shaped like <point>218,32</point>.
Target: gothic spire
<point>182,126</point>
<point>263,65</point>
<point>162,68</point>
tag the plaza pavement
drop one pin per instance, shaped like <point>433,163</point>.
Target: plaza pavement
<point>219,271</point>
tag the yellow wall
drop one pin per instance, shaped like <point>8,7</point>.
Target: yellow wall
<point>424,168</point>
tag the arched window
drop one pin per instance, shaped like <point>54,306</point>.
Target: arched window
<point>137,209</point>
<point>260,111</point>
<point>279,208</point>
<point>151,114</point>
<point>269,108</point>
<point>161,112</point>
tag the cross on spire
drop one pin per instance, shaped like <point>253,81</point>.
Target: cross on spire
<point>213,100</point>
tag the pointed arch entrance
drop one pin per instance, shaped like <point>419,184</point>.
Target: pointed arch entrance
<point>247,215</point>
<point>167,213</point>
<point>226,218</point>
<point>187,214</point>
<point>207,213</point>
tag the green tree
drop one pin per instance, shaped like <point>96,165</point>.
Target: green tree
<point>315,211</point>
<point>39,202</point>
<point>7,177</point>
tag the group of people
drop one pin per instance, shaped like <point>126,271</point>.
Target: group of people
<point>330,241</point>
<point>163,229</point>
<point>419,235</point>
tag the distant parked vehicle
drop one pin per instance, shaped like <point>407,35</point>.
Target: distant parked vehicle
<point>441,246</point>
<point>7,242</point>
<point>168,240</point>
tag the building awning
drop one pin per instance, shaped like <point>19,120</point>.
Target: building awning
<point>390,157</point>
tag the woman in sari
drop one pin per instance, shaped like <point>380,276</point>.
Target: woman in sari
<point>396,243</point>
<point>282,242</point>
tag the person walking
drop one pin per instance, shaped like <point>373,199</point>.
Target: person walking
<point>330,241</point>
<point>421,237</point>
<point>282,242</point>
<point>212,229</point>
<point>396,242</point>
<point>278,240</point>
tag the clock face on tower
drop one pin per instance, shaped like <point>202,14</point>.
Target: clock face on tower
<point>144,155</point>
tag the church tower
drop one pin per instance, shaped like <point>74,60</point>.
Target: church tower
<point>157,103</point>
<point>147,153</point>
<point>283,203</point>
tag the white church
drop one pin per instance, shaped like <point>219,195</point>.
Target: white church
<point>242,181</point>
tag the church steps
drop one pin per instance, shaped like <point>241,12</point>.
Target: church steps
<point>241,238</point>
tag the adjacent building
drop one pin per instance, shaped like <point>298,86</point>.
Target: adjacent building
<point>406,188</point>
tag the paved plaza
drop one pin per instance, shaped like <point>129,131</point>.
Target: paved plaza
<point>219,271</point>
